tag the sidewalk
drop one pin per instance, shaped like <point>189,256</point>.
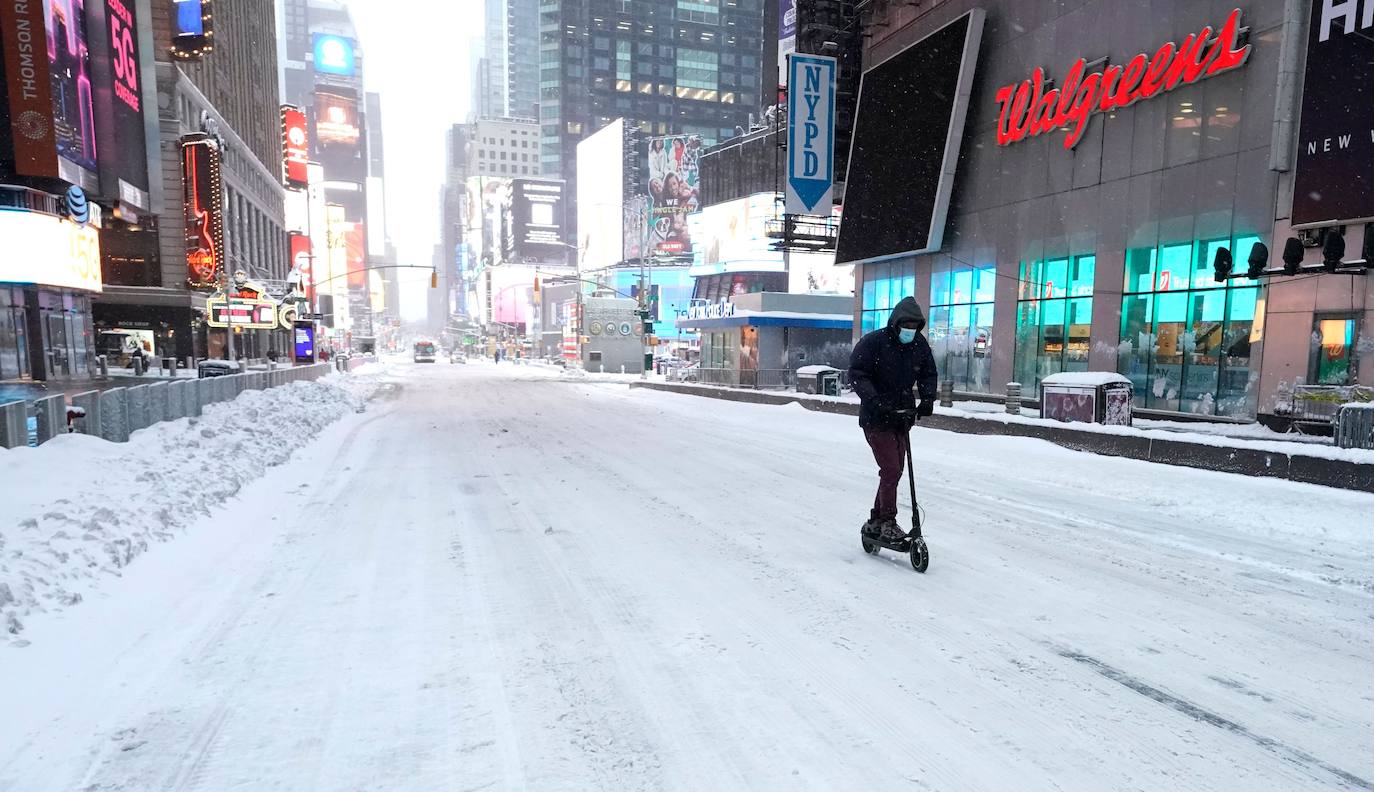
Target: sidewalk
<point>1175,443</point>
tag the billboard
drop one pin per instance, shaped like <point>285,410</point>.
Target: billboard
<point>1334,180</point>
<point>120,141</point>
<point>302,277</point>
<point>929,80</point>
<point>635,221</point>
<point>49,251</point>
<point>336,119</point>
<point>69,64</point>
<point>29,116</point>
<point>355,245</point>
<point>732,237</point>
<point>537,219</point>
<point>674,178</point>
<point>295,147</point>
<point>488,220</point>
<point>787,36</point>
<point>203,207</point>
<point>600,199</point>
<point>192,29</point>
<point>376,216</point>
<point>335,55</point>
<point>811,135</point>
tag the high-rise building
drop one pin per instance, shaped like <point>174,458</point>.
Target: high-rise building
<point>667,66</point>
<point>512,54</point>
<point>503,147</point>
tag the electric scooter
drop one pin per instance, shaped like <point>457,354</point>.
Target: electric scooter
<point>913,543</point>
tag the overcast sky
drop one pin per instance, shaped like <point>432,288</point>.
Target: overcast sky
<point>417,59</point>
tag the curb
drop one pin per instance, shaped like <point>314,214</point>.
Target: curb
<point>1301,468</point>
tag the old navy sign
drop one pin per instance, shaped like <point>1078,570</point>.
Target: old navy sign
<point>810,134</point>
<point>1033,108</point>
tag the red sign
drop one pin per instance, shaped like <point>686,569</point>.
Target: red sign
<point>301,255</point>
<point>24,40</point>
<point>1029,110</point>
<point>124,54</point>
<point>295,145</point>
<point>203,204</point>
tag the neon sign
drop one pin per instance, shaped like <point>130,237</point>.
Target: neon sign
<point>203,204</point>
<point>1031,108</point>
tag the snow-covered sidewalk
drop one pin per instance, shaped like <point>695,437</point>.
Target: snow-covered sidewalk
<point>79,510</point>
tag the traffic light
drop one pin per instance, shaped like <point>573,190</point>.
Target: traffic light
<point>434,279</point>
<point>1333,249</point>
<point>1259,259</point>
<point>1292,255</point>
<point>536,287</point>
<point>1221,265</point>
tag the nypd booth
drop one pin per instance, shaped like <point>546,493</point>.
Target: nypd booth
<point>761,339</point>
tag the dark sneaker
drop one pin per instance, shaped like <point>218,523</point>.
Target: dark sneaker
<point>892,533</point>
<point>873,527</point>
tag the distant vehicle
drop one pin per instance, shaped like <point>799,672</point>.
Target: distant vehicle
<point>424,351</point>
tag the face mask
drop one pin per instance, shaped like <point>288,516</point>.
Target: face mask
<point>907,336</point>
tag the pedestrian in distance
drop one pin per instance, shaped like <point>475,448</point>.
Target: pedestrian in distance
<point>885,368</point>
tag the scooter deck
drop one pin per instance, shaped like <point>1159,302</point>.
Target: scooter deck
<point>900,546</point>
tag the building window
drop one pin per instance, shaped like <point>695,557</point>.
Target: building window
<point>698,69</point>
<point>1333,360</point>
<point>1054,315</point>
<point>884,286</point>
<point>960,329</point>
<point>1185,339</point>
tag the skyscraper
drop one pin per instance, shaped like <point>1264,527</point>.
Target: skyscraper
<point>512,54</point>
<point>667,66</point>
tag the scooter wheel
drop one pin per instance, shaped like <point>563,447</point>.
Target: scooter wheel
<point>920,555</point>
<point>869,547</point>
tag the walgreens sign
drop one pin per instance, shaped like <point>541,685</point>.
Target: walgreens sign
<point>1035,107</point>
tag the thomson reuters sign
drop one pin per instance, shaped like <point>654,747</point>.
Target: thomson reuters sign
<point>24,41</point>
<point>1033,107</point>
<point>49,251</point>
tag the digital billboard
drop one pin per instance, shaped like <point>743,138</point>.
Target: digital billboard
<point>49,251</point>
<point>336,119</point>
<point>295,145</point>
<point>600,232</point>
<point>1334,180</point>
<point>203,206</point>
<point>302,275</point>
<point>335,55</point>
<point>69,62</point>
<point>30,105</point>
<point>355,244</point>
<point>537,219</point>
<point>898,169</point>
<point>120,143</point>
<point>192,29</point>
<point>674,178</point>
<point>488,221</point>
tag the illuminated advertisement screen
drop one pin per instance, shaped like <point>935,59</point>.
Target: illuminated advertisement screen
<point>472,222</point>
<point>190,17</point>
<point>674,179</point>
<point>49,251</point>
<point>336,119</point>
<point>69,60</point>
<point>335,55</point>
<point>122,152</point>
<point>600,230</point>
<point>295,145</point>
<point>537,217</point>
<point>487,209</point>
<point>203,204</point>
<point>901,174</point>
<point>355,242</point>
<point>191,28</point>
<point>305,342</point>
<point>301,271</point>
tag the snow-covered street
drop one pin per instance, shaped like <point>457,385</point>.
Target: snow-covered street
<point>501,578</point>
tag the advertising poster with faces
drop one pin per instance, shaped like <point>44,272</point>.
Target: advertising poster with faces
<point>674,181</point>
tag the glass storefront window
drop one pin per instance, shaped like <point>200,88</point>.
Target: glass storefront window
<point>960,329</point>
<point>884,286</point>
<point>1185,339</point>
<point>1332,361</point>
<point>1054,318</point>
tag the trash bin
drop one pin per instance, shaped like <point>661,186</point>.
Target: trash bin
<point>818,380</point>
<point>216,368</point>
<point>1101,397</point>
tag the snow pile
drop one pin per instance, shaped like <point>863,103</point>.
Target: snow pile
<point>1086,378</point>
<point>79,509</point>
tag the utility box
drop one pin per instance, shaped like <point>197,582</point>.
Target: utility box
<point>818,380</point>
<point>1101,397</point>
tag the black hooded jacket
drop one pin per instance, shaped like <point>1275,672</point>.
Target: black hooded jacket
<point>884,371</point>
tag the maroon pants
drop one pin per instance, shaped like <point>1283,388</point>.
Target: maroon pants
<point>889,450</point>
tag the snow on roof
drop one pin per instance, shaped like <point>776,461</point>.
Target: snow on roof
<point>815,369</point>
<point>1085,378</point>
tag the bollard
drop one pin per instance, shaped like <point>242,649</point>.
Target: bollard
<point>138,407</point>
<point>176,400</point>
<point>192,396</point>
<point>14,424</point>
<point>1013,398</point>
<point>137,365</point>
<point>947,393</point>
<point>90,402</point>
<point>52,417</point>
<point>102,365</point>
<point>157,403</point>
<point>114,415</point>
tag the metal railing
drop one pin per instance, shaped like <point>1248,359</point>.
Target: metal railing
<point>761,379</point>
<point>1319,404</point>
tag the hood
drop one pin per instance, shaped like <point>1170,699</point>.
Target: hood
<point>908,308</point>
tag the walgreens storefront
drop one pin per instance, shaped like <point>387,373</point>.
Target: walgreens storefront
<point>1058,187</point>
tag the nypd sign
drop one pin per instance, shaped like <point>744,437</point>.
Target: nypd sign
<point>810,134</point>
